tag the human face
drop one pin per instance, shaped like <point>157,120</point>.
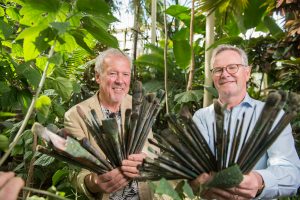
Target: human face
<point>114,80</point>
<point>231,85</point>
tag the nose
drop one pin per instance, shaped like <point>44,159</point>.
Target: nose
<point>119,78</point>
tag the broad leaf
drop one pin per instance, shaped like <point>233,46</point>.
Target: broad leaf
<point>13,13</point>
<point>79,38</point>
<point>184,190</point>
<point>99,32</point>
<point>4,87</point>
<point>274,29</point>
<point>3,142</point>
<point>179,12</point>
<point>93,7</point>
<point>164,187</point>
<point>32,75</point>
<point>189,96</point>
<point>253,13</point>
<point>42,101</point>
<point>182,52</point>
<point>62,86</point>
<point>61,27</point>
<point>155,60</point>
<point>35,11</point>
<point>5,30</point>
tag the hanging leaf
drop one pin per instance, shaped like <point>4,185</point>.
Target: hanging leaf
<point>61,27</point>
<point>93,7</point>
<point>274,29</point>
<point>189,96</point>
<point>182,52</point>
<point>32,75</point>
<point>62,86</point>
<point>99,32</point>
<point>79,38</point>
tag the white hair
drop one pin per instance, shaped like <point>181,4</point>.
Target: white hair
<point>99,65</point>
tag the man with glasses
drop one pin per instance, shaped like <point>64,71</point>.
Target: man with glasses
<point>278,171</point>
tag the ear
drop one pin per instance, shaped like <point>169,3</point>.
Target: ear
<point>248,72</point>
<point>97,77</point>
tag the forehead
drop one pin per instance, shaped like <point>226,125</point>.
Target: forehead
<point>227,57</point>
<point>117,63</point>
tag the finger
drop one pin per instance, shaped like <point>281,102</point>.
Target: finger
<point>11,189</point>
<point>117,186</point>
<point>131,163</point>
<point>5,176</point>
<point>110,175</point>
<point>137,157</point>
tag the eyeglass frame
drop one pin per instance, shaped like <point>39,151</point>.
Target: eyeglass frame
<point>225,67</point>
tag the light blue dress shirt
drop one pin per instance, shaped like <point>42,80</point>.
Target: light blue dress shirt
<point>279,166</point>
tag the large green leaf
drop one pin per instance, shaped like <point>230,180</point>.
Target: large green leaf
<point>93,7</point>
<point>99,32</point>
<point>184,190</point>
<point>155,60</point>
<point>3,142</point>
<point>62,86</point>
<point>36,11</point>
<point>32,75</point>
<point>79,38</point>
<point>274,29</point>
<point>182,52</point>
<point>61,27</point>
<point>189,96</point>
<point>179,12</point>
<point>254,13</point>
<point>13,13</point>
<point>164,187</point>
<point>32,32</point>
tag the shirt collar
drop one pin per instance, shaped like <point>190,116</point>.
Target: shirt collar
<point>247,101</point>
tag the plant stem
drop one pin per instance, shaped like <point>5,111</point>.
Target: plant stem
<point>44,193</point>
<point>30,109</point>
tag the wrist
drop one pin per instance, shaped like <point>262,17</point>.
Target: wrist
<point>90,183</point>
<point>261,183</point>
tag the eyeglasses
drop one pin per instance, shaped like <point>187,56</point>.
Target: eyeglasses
<point>231,69</point>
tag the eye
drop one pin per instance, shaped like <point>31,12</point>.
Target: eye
<point>112,74</point>
<point>126,74</point>
<point>232,67</point>
<point>217,70</point>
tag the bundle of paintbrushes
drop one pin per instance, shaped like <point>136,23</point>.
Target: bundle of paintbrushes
<point>115,142</point>
<point>185,154</point>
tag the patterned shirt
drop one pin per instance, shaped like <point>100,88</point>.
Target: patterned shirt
<point>130,191</point>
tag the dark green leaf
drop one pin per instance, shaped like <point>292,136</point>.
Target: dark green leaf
<point>212,91</point>
<point>182,52</point>
<point>274,29</point>
<point>189,96</point>
<point>61,27</point>
<point>5,30</point>
<point>59,175</point>
<point>93,7</point>
<point>151,60</point>
<point>253,13</point>
<point>62,86</point>
<point>99,32</point>
<point>4,87</point>
<point>79,38</point>
<point>56,59</point>
<point>32,74</point>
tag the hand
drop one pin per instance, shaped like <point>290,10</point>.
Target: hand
<point>129,166</point>
<point>247,189</point>
<point>10,186</point>
<point>201,179</point>
<point>106,183</point>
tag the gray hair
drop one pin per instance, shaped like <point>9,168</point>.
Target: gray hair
<point>99,65</point>
<point>224,47</point>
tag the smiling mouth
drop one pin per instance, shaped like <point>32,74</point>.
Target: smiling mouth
<point>226,82</point>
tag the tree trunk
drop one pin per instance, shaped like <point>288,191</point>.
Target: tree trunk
<point>209,40</point>
<point>153,21</point>
<point>136,30</point>
<point>192,64</point>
